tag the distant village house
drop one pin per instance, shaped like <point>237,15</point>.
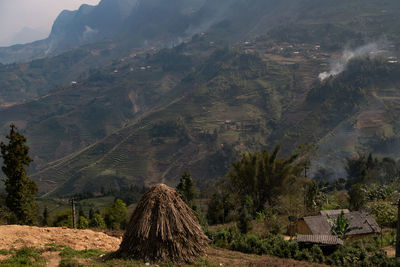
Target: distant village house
<point>363,224</point>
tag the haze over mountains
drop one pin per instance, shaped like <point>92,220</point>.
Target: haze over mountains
<point>139,91</point>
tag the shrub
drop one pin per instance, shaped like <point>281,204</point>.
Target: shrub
<point>83,223</point>
<point>364,252</point>
<point>384,213</point>
<point>316,254</point>
<point>63,219</point>
<point>97,222</point>
<point>303,255</point>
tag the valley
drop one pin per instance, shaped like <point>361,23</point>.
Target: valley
<point>121,114</point>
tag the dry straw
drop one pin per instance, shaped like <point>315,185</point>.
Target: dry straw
<point>163,228</point>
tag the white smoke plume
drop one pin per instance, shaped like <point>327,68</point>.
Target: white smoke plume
<point>339,65</point>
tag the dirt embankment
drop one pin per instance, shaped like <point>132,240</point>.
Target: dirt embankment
<point>17,236</point>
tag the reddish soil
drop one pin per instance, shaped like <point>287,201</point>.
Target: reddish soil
<point>16,236</point>
<point>225,257</point>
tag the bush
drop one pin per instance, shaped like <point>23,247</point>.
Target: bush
<point>97,222</point>
<point>83,223</point>
<point>303,255</point>
<point>245,215</point>
<point>384,213</point>
<point>364,252</point>
<point>316,254</point>
<point>63,219</point>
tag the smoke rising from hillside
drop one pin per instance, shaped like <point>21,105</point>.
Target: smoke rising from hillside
<point>339,65</point>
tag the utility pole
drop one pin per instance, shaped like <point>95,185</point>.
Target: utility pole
<point>73,213</point>
<point>398,231</point>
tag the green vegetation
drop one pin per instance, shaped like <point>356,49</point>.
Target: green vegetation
<point>20,189</point>
<point>256,182</point>
<point>24,257</point>
<point>364,252</point>
<point>187,190</point>
<point>261,176</point>
<point>116,216</point>
<point>202,105</point>
<point>341,226</point>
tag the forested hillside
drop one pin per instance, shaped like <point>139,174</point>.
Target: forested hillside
<point>143,106</point>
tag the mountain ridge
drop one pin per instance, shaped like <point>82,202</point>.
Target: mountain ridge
<point>142,116</point>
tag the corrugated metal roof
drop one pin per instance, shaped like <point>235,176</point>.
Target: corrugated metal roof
<point>333,212</point>
<point>364,223</point>
<point>319,239</point>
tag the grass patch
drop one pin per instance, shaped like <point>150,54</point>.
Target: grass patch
<point>54,247</point>
<point>69,263</point>
<point>84,254</point>
<point>203,263</point>
<point>25,257</point>
<point>4,252</point>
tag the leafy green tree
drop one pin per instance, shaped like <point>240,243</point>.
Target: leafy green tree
<point>83,223</point>
<point>115,216</point>
<point>262,176</point>
<point>341,226</point>
<point>81,213</point>
<point>311,195</point>
<point>187,190</point>
<point>245,215</point>
<point>63,219</point>
<point>356,169</point>
<point>384,212</point>
<point>216,211</point>
<point>91,213</point>
<point>21,190</point>
<point>4,212</point>
<point>366,170</point>
<point>357,196</point>
<point>97,221</point>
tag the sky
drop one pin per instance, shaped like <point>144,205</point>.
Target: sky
<point>35,14</point>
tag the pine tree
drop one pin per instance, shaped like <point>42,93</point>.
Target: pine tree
<point>45,221</point>
<point>20,189</point>
<point>187,190</point>
<point>91,213</point>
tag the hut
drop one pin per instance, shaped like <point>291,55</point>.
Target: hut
<point>328,243</point>
<point>163,228</point>
<point>362,223</point>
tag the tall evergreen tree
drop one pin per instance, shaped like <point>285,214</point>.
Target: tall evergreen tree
<point>20,189</point>
<point>91,213</point>
<point>187,190</point>
<point>45,221</point>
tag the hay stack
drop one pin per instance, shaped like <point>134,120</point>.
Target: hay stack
<point>163,228</point>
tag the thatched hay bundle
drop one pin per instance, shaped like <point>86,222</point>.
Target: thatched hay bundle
<point>163,228</point>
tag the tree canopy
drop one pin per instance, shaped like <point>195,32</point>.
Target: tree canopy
<point>261,176</point>
<point>20,189</point>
